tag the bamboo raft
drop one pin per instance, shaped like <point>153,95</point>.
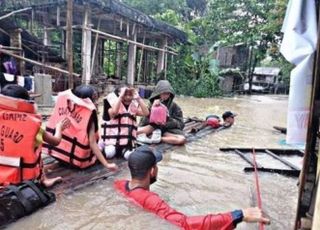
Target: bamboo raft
<point>74,179</point>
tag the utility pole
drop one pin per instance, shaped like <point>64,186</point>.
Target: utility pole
<point>69,39</point>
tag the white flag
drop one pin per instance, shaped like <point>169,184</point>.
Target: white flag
<point>298,47</point>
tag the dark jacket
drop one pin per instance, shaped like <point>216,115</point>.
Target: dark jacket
<point>175,120</point>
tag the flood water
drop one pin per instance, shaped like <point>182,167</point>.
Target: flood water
<point>195,179</point>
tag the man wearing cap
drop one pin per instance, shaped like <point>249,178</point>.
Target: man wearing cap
<point>215,122</point>
<point>143,168</point>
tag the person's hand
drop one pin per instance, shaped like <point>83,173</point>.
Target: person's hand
<point>64,124</point>
<point>136,95</point>
<point>156,102</point>
<point>122,92</point>
<point>112,166</point>
<point>252,215</point>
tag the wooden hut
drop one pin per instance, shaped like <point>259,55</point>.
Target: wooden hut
<point>93,40</point>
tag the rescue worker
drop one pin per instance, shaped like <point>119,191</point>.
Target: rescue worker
<point>172,131</point>
<point>215,122</point>
<point>79,146</point>
<point>143,169</point>
<point>120,132</point>
<point>21,138</point>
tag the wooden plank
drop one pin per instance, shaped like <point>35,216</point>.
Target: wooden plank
<point>284,161</point>
<point>275,151</point>
<point>117,38</point>
<point>36,63</point>
<point>286,172</point>
<point>14,12</point>
<point>247,159</point>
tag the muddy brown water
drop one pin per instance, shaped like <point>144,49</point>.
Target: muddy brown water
<point>194,179</point>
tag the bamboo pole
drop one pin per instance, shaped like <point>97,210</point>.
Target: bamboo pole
<point>14,12</point>
<point>130,41</point>
<point>36,63</point>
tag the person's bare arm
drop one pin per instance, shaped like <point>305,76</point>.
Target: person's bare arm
<point>95,149</point>
<point>143,109</point>
<point>114,110</point>
<point>56,139</point>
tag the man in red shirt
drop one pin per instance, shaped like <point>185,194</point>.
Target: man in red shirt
<point>143,168</point>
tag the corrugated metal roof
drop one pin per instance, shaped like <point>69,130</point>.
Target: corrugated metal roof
<point>107,6</point>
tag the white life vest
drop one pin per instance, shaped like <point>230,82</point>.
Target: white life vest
<point>122,129</point>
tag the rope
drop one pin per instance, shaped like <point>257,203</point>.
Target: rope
<point>261,226</point>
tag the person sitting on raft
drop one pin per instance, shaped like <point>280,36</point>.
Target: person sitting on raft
<point>215,122</point>
<point>79,146</point>
<point>120,132</point>
<point>143,169</point>
<point>21,138</point>
<point>171,131</point>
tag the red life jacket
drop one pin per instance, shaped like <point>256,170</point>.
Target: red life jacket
<point>150,201</point>
<point>122,129</point>
<point>19,156</point>
<point>74,147</point>
<point>158,114</point>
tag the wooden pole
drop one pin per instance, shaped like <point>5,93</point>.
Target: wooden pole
<point>110,36</point>
<point>14,12</point>
<point>132,56</point>
<point>95,47</point>
<point>69,39</point>
<point>36,63</point>
<point>86,47</point>
<point>161,57</point>
<point>141,59</point>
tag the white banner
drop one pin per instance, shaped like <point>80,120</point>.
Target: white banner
<point>298,47</point>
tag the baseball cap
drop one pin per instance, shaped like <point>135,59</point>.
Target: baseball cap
<point>142,159</point>
<point>227,114</point>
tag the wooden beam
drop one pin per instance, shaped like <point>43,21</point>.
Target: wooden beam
<point>117,38</point>
<point>14,12</point>
<point>36,63</point>
<point>69,39</point>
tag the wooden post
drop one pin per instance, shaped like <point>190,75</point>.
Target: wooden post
<point>86,47</point>
<point>132,56</point>
<point>118,60</point>
<point>58,15</point>
<point>69,39</point>
<point>141,59</point>
<point>16,41</point>
<point>161,56</point>
<point>32,21</point>
<point>95,47</point>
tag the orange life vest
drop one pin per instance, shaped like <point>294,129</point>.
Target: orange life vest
<point>122,129</point>
<point>19,156</point>
<point>74,147</point>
